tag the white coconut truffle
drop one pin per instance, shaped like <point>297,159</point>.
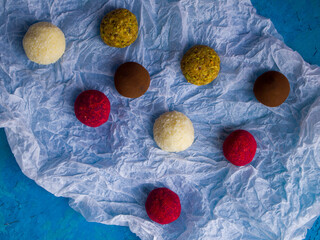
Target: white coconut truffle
<point>173,132</point>
<point>44,43</point>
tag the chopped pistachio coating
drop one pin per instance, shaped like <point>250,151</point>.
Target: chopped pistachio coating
<point>119,28</point>
<point>200,65</point>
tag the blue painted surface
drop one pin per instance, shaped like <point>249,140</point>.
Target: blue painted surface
<point>298,21</point>
<point>29,212</point>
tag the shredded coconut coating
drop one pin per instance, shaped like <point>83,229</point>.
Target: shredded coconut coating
<point>44,43</point>
<point>119,28</point>
<point>200,65</point>
<point>173,132</point>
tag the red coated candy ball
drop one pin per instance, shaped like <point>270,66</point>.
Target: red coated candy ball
<point>92,108</point>
<point>240,147</point>
<point>163,206</point>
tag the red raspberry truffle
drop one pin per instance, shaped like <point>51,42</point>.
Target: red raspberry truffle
<point>92,108</point>
<point>163,206</point>
<point>240,147</point>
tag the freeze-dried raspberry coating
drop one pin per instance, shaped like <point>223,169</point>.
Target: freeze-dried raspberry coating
<point>240,147</point>
<point>92,108</point>
<point>163,205</point>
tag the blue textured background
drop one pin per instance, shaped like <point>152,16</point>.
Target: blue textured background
<point>29,212</point>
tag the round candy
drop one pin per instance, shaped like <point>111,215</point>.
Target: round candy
<point>119,28</point>
<point>173,132</point>
<point>163,206</point>
<point>271,88</point>
<point>92,108</point>
<point>131,80</point>
<point>200,65</point>
<point>240,147</point>
<point>44,43</point>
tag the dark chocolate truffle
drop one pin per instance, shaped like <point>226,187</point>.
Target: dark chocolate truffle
<point>92,108</point>
<point>271,88</point>
<point>131,80</point>
<point>163,205</point>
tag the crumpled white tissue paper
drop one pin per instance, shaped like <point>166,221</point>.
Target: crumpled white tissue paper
<point>107,172</point>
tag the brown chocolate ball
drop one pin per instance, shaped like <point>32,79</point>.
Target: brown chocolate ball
<point>271,88</point>
<point>131,80</point>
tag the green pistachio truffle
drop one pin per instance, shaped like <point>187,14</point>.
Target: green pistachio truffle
<point>119,28</point>
<point>200,65</point>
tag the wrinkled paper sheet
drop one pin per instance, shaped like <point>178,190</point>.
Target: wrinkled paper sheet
<point>107,172</point>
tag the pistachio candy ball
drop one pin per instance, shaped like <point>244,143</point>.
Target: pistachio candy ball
<point>119,28</point>
<point>200,65</point>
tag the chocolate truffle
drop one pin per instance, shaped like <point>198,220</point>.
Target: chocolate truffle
<point>239,147</point>
<point>119,28</point>
<point>271,88</point>
<point>163,206</point>
<point>173,132</point>
<point>200,65</point>
<point>92,108</point>
<point>131,80</point>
